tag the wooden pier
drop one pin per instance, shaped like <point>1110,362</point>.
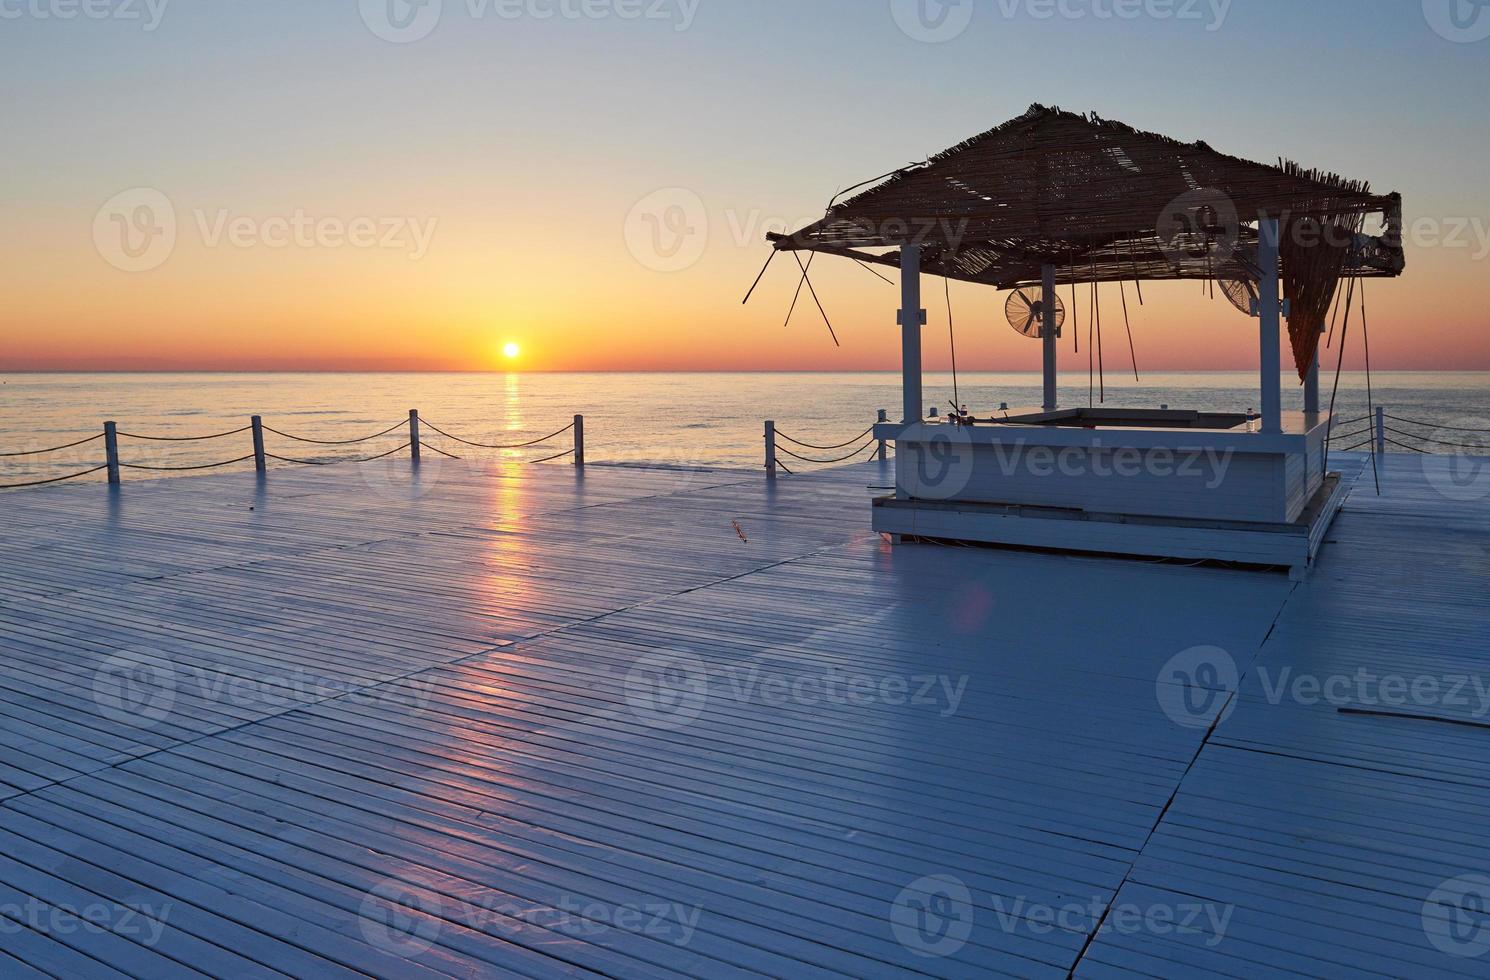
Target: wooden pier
<point>638,722</point>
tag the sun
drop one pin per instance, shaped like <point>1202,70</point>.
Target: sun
<point>510,350</point>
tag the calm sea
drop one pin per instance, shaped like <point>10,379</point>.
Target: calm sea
<point>699,419</point>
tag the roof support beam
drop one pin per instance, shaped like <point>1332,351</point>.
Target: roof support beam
<point>1048,333</point>
<point>912,316</point>
<point>1269,345</point>
<point>1311,383</point>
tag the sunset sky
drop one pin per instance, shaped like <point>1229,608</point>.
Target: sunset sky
<point>343,200</point>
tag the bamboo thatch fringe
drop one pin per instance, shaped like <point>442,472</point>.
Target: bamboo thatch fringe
<point>1105,202</point>
<point>1052,184</point>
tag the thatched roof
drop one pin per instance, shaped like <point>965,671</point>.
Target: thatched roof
<point>1099,199</point>
<point>1104,202</point>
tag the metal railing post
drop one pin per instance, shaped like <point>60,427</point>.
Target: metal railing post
<point>111,451</point>
<point>414,435</point>
<point>579,440</point>
<point>260,465</point>
<point>1381,431</point>
<point>883,416</point>
<point>770,450</point>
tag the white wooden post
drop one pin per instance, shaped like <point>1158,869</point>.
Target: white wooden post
<point>258,428</point>
<point>414,435</point>
<point>770,450</point>
<point>1311,383</point>
<point>1047,333</point>
<point>911,318</point>
<point>883,416</point>
<point>1268,325</point>
<point>1381,431</point>
<point>111,451</point>
<point>579,440</point>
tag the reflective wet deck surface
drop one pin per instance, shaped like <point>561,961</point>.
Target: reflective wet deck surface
<point>648,722</point>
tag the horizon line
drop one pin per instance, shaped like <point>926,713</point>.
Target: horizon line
<point>501,371</point>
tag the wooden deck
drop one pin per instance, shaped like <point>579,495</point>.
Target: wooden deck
<point>645,722</point>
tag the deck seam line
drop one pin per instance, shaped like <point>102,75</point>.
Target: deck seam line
<point>1231,698</point>
<point>1138,855</point>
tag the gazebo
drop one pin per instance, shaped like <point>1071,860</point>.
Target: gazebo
<point>1056,198</point>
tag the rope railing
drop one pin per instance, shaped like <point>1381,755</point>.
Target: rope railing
<point>1438,442</point>
<point>1434,425</point>
<point>864,443</point>
<point>1379,434</point>
<point>545,459</point>
<point>837,459</point>
<point>335,442</point>
<point>1357,435</point>
<point>1372,436</point>
<point>53,449</point>
<point>809,445</point>
<point>215,435</point>
<point>482,445</point>
<point>260,456</point>
<point>55,479</point>
<point>183,469</point>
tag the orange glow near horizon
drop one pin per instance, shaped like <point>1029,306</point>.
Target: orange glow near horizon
<point>626,298</point>
<point>205,310</point>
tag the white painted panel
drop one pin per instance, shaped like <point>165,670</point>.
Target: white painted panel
<point>1193,482</point>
